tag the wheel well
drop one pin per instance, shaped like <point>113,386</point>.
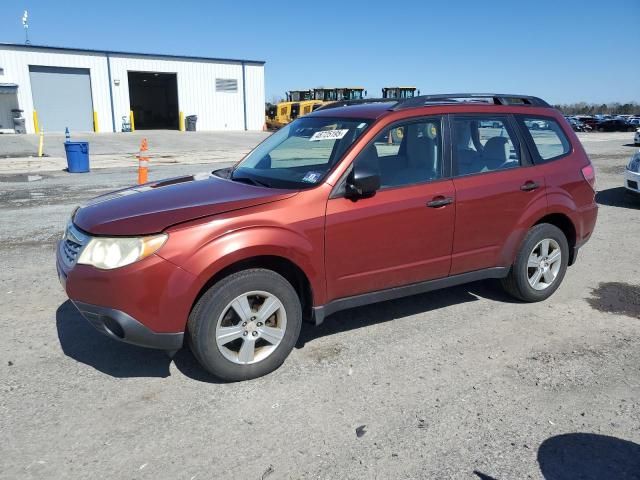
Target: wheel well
<point>282,266</point>
<point>565,224</point>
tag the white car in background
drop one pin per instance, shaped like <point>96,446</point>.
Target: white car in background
<point>636,138</point>
<point>632,173</point>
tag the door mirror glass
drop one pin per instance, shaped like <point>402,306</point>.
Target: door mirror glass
<point>362,183</point>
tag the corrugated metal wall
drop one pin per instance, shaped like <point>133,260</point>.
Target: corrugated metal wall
<point>197,93</point>
<point>254,76</point>
<point>16,61</point>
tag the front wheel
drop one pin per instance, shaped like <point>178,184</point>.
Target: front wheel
<point>246,325</point>
<point>540,264</point>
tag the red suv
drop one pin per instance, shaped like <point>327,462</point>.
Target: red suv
<point>358,202</point>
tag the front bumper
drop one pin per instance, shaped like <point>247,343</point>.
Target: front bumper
<point>146,303</point>
<point>632,181</point>
<point>120,326</point>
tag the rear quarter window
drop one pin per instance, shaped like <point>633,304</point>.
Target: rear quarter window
<point>548,138</point>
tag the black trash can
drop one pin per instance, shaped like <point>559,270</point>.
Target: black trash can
<point>191,122</point>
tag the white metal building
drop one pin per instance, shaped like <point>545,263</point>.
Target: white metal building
<point>100,90</point>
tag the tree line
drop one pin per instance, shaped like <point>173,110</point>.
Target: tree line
<point>584,108</point>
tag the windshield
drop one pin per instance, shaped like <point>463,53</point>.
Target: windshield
<point>301,154</point>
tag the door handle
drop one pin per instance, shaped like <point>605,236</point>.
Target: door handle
<point>440,201</point>
<point>529,186</point>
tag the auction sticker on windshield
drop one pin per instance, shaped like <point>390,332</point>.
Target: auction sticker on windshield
<point>328,135</point>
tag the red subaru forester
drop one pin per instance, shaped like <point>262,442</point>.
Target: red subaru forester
<point>352,204</point>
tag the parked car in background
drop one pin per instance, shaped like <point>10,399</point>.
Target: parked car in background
<point>333,212</point>
<point>538,125</point>
<point>635,121</point>
<point>614,125</point>
<point>578,126</point>
<point>636,138</point>
<point>632,173</point>
<point>587,120</point>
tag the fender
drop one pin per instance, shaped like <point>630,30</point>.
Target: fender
<point>531,215</point>
<point>255,241</point>
<point>560,201</point>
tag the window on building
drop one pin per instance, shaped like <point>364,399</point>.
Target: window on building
<point>548,137</point>
<point>227,85</point>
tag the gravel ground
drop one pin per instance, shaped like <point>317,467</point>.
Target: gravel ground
<point>462,383</point>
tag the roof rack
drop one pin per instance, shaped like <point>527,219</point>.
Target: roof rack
<point>347,103</point>
<point>456,98</point>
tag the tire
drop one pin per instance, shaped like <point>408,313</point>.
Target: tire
<point>517,283</point>
<point>214,311</point>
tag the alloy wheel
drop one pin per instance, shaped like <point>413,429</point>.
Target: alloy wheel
<point>544,264</point>
<point>251,327</point>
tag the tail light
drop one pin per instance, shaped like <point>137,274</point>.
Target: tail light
<point>589,174</point>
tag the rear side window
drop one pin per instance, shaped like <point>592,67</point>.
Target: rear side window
<point>548,137</point>
<point>483,143</point>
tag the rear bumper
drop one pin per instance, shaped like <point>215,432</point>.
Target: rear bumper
<point>120,326</point>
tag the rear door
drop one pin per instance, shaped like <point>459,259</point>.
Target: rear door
<point>496,185</point>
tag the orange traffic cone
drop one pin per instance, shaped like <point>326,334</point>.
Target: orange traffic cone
<point>143,163</point>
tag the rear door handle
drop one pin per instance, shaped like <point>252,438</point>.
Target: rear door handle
<point>440,202</point>
<point>528,186</point>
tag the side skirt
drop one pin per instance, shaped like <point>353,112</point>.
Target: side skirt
<point>323,311</point>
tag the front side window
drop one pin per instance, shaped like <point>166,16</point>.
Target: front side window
<point>301,154</point>
<point>406,154</point>
<point>483,144</point>
<point>548,137</point>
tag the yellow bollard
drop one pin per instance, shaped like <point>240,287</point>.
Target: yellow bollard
<point>41,144</point>
<point>95,121</point>
<point>181,121</point>
<point>131,121</point>
<point>36,126</point>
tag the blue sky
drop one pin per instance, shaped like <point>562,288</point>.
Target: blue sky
<point>561,50</point>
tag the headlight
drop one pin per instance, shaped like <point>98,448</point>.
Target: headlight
<point>634,163</point>
<point>107,253</point>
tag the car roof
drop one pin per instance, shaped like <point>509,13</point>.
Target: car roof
<point>362,110</point>
<point>375,108</point>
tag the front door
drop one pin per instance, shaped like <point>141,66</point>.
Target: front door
<point>404,233</point>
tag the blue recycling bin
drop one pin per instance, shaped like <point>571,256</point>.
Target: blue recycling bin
<point>77,156</point>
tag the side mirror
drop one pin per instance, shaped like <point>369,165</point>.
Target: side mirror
<point>362,183</point>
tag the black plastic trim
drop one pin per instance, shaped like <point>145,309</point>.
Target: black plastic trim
<point>132,331</point>
<point>323,311</point>
<point>503,99</point>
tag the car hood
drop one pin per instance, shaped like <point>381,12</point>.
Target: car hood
<point>153,207</point>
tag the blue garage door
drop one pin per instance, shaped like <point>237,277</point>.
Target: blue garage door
<point>62,98</point>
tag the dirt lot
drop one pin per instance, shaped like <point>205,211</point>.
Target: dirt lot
<point>461,383</point>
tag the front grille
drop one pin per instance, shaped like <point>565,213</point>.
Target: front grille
<point>72,243</point>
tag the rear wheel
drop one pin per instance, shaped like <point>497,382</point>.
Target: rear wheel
<point>540,265</point>
<point>245,326</point>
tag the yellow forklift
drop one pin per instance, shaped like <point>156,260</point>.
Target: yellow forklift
<point>399,93</point>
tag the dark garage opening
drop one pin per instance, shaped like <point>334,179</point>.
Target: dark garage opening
<point>154,100</point>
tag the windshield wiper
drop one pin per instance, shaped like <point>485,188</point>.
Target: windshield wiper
<point>250,181</point>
